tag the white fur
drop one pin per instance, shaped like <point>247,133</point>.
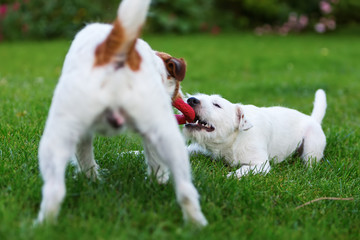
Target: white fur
<point>138,99</point>
<point>250,136</point>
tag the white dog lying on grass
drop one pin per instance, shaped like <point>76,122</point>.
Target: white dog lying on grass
<point>250,136</point>
<point>112,79</point>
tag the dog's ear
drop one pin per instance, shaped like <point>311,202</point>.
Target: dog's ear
<point>242,121</point>
<point>176,68</point>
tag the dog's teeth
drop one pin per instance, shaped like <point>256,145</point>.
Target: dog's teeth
<point>197,122</point>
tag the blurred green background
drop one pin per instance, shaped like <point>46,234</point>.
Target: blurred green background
<point>39,19</point>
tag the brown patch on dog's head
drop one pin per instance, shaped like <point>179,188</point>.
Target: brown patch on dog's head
<point>117,43</point>
<point>176,67</point>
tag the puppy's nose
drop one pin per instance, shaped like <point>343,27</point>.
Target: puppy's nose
<point>193,101</point>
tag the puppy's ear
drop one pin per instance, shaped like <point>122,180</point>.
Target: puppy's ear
<point>243,122</point>
<point>176,68</point>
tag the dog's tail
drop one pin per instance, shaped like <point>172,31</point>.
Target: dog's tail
<point>318,112</point>
<point>120,43</point>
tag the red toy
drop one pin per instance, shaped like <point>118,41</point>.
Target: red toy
<point>189,113</point>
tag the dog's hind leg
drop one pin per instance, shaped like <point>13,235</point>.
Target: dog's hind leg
<point>57,146</point>
<point>170,147</point>
<point>85,157</point>
<point>155,165</point>
<point>158,128</point>
<point>314,145</point>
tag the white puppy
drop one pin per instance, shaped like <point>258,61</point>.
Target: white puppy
<point>249,136</point>
<point>111,79</point>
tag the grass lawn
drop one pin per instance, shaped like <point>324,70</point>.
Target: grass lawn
<point>264,71</point>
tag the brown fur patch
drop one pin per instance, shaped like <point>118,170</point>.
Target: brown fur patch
<point>163,56</point>
<point>105,52</point>
<point>114,44</point>
<point>176,67</point>
<point>133,58</point>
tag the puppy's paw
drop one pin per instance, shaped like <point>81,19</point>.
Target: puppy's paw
<point>93,173</point>
<point>131,153</point>
<point>240,172</point>
<point>234,174</point>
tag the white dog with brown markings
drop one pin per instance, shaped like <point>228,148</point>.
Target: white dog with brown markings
<point>250,136</point>
<point>111,79</point>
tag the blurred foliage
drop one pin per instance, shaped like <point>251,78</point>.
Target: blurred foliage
<point>348,12</point>
<point>38,19</point>
<point>46,19</point>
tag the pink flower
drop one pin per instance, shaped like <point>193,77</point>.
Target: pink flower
<point>303,21</point>
<point>3,10</point>
<point>320,27</point>
<point>259,31</point>
<point>325,7</point>
<point>292,18</point>
<point>284,30</point>
<point>331,24</point>
<point>16,6</point>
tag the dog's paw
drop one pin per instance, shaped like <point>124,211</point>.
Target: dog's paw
<point>198,219</point>
<point>239,173</point>
<point>93,173</point>
<point>163,178</point>
<point>131,153</point>
<point>234,175</point>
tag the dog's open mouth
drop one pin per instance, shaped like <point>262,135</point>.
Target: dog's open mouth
<point>199,125</point>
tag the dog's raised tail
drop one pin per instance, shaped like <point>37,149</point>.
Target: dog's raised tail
<point>119,45</point>
<point>318,112</point>
<point>132,16</point>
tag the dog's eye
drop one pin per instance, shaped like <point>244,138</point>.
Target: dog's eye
<point>216,105</point>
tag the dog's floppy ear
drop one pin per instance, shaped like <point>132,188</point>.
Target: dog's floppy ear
<point>176,68</point>
<point>243,122</point>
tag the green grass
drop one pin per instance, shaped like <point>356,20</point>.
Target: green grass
<point>243,68</point>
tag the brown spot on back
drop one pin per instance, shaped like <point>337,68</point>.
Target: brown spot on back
<point>105,52</point>
<point>133,58</point>
<point>115,43</point>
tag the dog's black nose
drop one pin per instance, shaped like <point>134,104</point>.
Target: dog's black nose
<point>193,101</point>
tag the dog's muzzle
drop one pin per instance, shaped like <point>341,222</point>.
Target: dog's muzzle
<point>193,102</point>
<point>198,124</point>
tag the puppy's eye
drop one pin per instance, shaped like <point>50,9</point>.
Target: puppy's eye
<point>216,105</point>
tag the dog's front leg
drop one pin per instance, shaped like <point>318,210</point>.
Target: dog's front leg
<point>155,166</point>
<point>261,168</point>
<point>85,157</point>
<point>195,148</point>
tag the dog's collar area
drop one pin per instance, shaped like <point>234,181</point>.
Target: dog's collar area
<point>199,125</point>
